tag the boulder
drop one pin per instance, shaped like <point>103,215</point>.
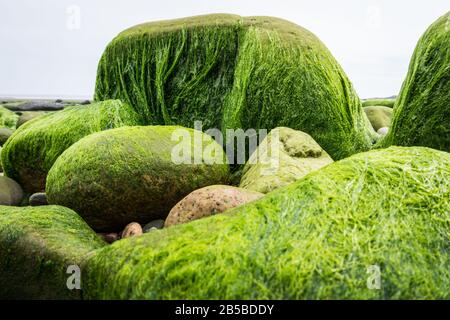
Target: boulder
<point>283,157</point>
<point>209,201</point>
<point>11,193</point>
<point>379,116</point>
<point>38,199</point>
<point>234,72</point>
<point>322,237</point>
<point>37,106</point>
<point>5,133</point>
<point>133,174</point>
<point>132,229</point>
<point>153,225</point>
<point>421,114</point>
<point>40,249</point>
<point>34,147</point>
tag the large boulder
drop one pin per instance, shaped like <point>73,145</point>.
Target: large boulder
<point>372,226</point>
<point>235,72</point>
<point>33,148</point>
<point>422,111</point>
<point>209,201</point>
<point>283,157</point>
<point>40,247</point>
<point>379,116</point>
<point>11,194</point>
<point>133,174</point>
<point>8,118</point>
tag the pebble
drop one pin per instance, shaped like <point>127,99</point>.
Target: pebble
<point>131,230</point>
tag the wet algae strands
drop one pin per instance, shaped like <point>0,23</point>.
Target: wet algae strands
<point>235,72</point>
<point>314,239</point>
<point>31,151</point>
<point>37,246</point>
<point>422,111</point>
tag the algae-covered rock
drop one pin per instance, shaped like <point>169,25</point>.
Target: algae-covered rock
<point>323,237</point>
<point>37,247</point>
<point>8,118</point>
<point>283,157</point>
<point>379,116</point>
<point>133,174</point>
<point>235,72</point>
<point>28,116</point>
<point>34,147</point>
<point>386,102</point>
<point>209,201</point>
<point>422,111</point>
<point>11,194</point>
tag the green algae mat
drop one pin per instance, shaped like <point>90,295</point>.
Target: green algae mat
<point>235,72</point>
<point>318,238</point>
<point>422,111</point>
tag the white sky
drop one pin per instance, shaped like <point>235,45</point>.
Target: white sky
<point>44,52</point>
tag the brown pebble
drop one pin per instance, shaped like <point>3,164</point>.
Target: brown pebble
<point>132,229</point>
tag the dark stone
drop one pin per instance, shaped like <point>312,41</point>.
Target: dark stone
<point>155,224</point>
<point>5,133</point>
<point>38,199</point>
<point>58,101</point>
<point>85,102</point>
<point>37,106</point>
<point>110,237</point>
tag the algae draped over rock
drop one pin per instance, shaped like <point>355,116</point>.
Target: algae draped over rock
<point>235,72</point>
<point>422,111</point>
<point>131,174</point>
<point>315,239</point>
<point>37,245</point>
<point>31,151</point>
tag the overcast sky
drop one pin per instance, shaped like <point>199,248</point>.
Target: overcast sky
<point>50,48</point>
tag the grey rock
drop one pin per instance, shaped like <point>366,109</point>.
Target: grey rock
<point>153,225</point>
<point>37,106</point>
<point>11,193</point>
<point>38,199</point>
<point>5,133</point>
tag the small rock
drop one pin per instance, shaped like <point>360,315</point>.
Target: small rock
<point>38,199</point>
<point>5,133</point>
<point>11,193</point>
<point>383,131</point>
<point>131,230</point>
<point>58,101</point>
<point>110,237</point>
<point>85,102</point>
<point>208,201</point>
<point>154,225</point>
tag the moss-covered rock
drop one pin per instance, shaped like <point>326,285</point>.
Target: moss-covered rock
<point>5,133</point>
<point>37,245</point>
<point>321,237</point>
<point>131,174</point>
<point>379,116</point>
<point>26,116</point>
<point>11,194</point>
<point>235,72</point>
<point>8,118</point>
<point>386,102</point>
<point>283,157</point>
<point>422,111</point>
<point>34,147</point>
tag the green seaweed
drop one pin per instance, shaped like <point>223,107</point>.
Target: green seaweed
<point>8,118</point>
<point>386,102</point>
<point>33,148</point>
<point>421,113</point>
<point>233,72</point>
<point>315,239</point>
<point>127,174</point>
<point>37,244</point>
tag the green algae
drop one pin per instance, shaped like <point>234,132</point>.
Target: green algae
<point>315,239</point>
<point>8,118</point>
<point>33,148</point>
<point>421,114</point>
<point>128,174</point>
<point>386,102</point>
<point>379,116</point>
<point>235,72</point>
<point>37,245</point>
